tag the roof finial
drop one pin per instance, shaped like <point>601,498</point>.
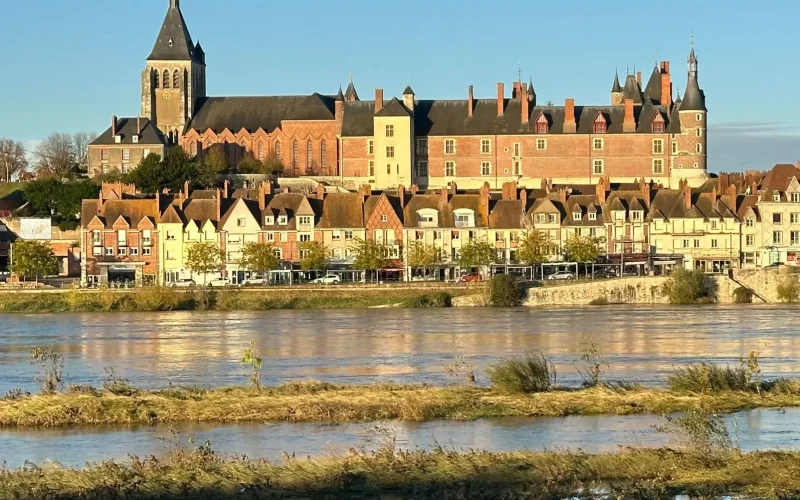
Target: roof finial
<point>655,56</point>
<point>174,4</point>
<point>350,74</point>
<point>519,71</point>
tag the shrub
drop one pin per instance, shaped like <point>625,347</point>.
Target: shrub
<point>51,368</point>
<point>526,374</point>
<point>687,287</point>
<point>700,429</point>
<point>708,377</point>
<point>789,289</point>
<point>743,295</point>
<point>157,298</point>
<point>593,363</point>
<point>504,291</point>
<point>600,301</point>
<point>441,299</point>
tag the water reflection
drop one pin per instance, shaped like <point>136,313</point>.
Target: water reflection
<point>154,349</point>
<point>753,430</point>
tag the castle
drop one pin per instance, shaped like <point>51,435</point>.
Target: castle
<point>392,141</point>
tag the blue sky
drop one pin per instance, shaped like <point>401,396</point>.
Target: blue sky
<point>69,66</point>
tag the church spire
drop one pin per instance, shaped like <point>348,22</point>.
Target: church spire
<point>694,98</point>
<point>174,43</point>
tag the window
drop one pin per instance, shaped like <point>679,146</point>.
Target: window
<point>269,237</point>
<point>551,219</point>
<point>750,240</point>
<point>171,235</point>
<point>97,251</point>
<point>576,216</point>
<point>449,168</point>
<point>698,117</point>
<point>697,243</point>
<point>449,146</point>
<point>166,79</point>
<point>126,154</point>
<point>714,224</point>
<point>777,237</point>
<point>157,80</point>
<point>96,238</point>
<point>388,169</point>
<point>146,251</point>
<point>146,237</point>
<point>269,220</point>
<point>592,215</point>
<point>279,253</point>
<point>104,154</point>
<point>658,146</point>
<point>599,126</point>
<point>486,146</point>
<point>305,220</point>
<point>295,154</point>
<point>750,222</point>
<point>371,166</point>
<point>598,167</point>
<point>390,151</point>
<point>371,147</point>
<point>284,237</point>
<point>593,232</point>
<point>384,218</point>
<point>455,235</point>
<point>658,125</point>
<point>309,155</point>
<point>517,150</point>
<point>674,148</point>
<point>517,167</point>
<point>699,148</point>
<point>714,244</point>
<point>795,235</point>
<point>794,218</point>
<point>323,154</point>
<point>336,236</point>
<point>422,146</point>
<point>260,150</point>
<point>422,169</point>
<point>658,166</point>
<point>541,144</point>
<point>109,252</point>
<point>122,237</point>
<point>304,238</point>
<point>540,218</point>
<point>170,255</point>
<point>283,220</point>
<point>699,132</point>
<point>685,243</point>
<point>122,251</point>
<point>389,130</point>
<point>542,125</point>
<point>278,150</point>
<point>598,144</point>
<point>176,80</point>
<point>795,197</point>
<point>486,168</point>
<point>636,215</point>
<point>348,235</point>
<point>777,218</point>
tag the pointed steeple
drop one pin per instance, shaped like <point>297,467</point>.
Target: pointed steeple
<point>653,89</point>
<point>616,87</point>
<point>340,95</point>
<point>694,99</point>
<point>531,91</point>
<point>174,43</point>
<point>350,94</point>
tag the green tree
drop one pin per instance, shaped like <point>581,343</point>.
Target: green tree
<point>212,166</point>
<point>148,176</point>
<point>250,165</point>
<point>204,258</point>
<point>155,174</point>
<point>273,165</point>
<point>260,258</point>
<point>686,287</point>
<point>534,247</point>
<point>313,256</point>
<point>369,255</point>
<point>583,248</point>
<point>255,362</point>
<point>423,256</point>
<point>476,253</point>
<point>40,195</point>
<point>33,259</point>
<point>68,199</point>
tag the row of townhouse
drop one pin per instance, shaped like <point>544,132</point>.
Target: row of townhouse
<point>718,226</point>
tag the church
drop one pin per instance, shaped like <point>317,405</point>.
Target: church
<point>390,141</point>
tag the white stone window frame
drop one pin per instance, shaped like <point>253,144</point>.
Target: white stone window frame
<point>453,143</point>
<point>487,150</point>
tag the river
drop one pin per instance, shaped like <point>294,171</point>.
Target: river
<point>640,343</point>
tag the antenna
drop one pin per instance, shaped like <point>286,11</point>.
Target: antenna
<point>519,71</point>
<point>351,70</point>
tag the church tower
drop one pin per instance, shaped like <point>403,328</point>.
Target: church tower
<point>174,79</point>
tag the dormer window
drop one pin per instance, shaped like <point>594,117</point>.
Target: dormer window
<point>305,220</point>
<point>776,197</point>
<point>576,216</point>
<point>599,124</point>
<point>269,220</point>
<point>592,216</point>
<point>428,217</point>
<point>542,126</point>
<point>135,139</point>
<point>170,42</point>
<point>118,138</point>
<point>636,215</point>
<point>795,197</point>
<point>658,124</point>
<point>464,218</point>
<point>283,220</point>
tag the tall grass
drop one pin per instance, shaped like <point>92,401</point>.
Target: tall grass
<point>523,375</point>
<point>505,291</point>
<point>709,378</point>
<point>441,299</point>
<point>688,287</point>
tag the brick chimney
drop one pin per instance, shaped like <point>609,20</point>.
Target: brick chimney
<point>510,190</point>
<point>629,122</point>
<point>443,197</point>
<point>644,187</point>
<point>730,197</point>
<point>453,188</point>
<point>186,190</point>
<point>600,191</point>
<point>219,204</point>
<point>262,196</point>
<point>378,100</point>
<point>138,125</point>
<point>320,192</point>
<point>569,116</point>
<point>113,125</point>
<point>687,196</point>
<point>470,101</point>
<point>523,199</point>
<point>339,115</point>
<point>524,104</point>
<point>666,85</point>
<point>414,189</point>
<point>562,195</point>
<point>225,188</point>
<point>501,99</point>
<point>401,195</point>
<point>484,204</point>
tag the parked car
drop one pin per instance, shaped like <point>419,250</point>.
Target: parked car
<point>423,278</point>
<point>470,278</point>
<point>561,275</point>
<point>253,281</point>
<point>328,279</point>
<point>183,283</point>
<point>219,282</point>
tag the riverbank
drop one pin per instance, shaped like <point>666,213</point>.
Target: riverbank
<point>392,474</point>
<point>171,299</point>
<point>328,403</point>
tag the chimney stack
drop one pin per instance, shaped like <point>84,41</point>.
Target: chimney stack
<point>524,104</point>
<point>443,197</point>
<point>484,204</point>
<point>510,191</point>
<point>225,188</point>
<point>644,187</point>
<point>470,101</point>
<point>666,85</point>
<point>186,190</point>
<point>378,100</point>
<point>600,191</point>
<point>138,125</point>
<point>113,126</point>
<point>731,195</point>
<point>501,99</point>
<point>401,195</point>
<point>687,196</point>
<point>629,123</point>
<point>320,192</point>
<point>523,198</point>
<point>569,116</point>
<point>219,204</point>
<point>562,195</point>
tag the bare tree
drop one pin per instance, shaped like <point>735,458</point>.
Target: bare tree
<point>12,158</point>
<point>80,143</point>
<point>55,156</point>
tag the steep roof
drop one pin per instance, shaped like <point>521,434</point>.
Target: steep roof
<point>132,210</point>
<point>779,177</point>
<point>342,210</point>
<point>694,99</point>
<point>351,94</point>
<point>127,128</point>
<point>252,113</point>
<point>201,210</point>
<point>616,87</point>
<point>174,43</point>
<point>394,108</point>
<point>652,91</point>
<point>632,90</point>
<point>507,214</point>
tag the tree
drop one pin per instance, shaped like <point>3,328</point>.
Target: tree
<point>583,248</point>
<point>534,247</point>
<point>52,197</point>
<point>273,165</point>
<point>204,258</point>
<point>148,175</point>
<point>12,158</point>
<point>250,165</point>
<point>155,174</point>
<point>209,170</point>
<point>369,255</point>
<point>423,256</point>
<point>40,195</point>
<point>80,147</point>
<point>313,256</point>
<point>260,258</point>
<point>33,259</point>
<point>476,253</point>
<point>55,156</point>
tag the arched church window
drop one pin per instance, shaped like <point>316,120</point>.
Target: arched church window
<point>176,80</point>
<point>166,78</point>
<point>278,153</point>
<point>323,155</point>
<point>295,154</point>
<point>309,155</point>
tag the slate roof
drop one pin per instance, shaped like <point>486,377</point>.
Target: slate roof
<point>652,91</point>
<point>507,214</point>
<point>616,87</point>
<point>694,99</point>
<point>342,210</point>
<point>394,108</point>
<point>174,43</point>
<point>778,178</point>
<point>132,210</point>
<point>126,127</point>
<point>632,90</point>
<point>351,94</point>
<point>583,204</point>
<point>252,113</point>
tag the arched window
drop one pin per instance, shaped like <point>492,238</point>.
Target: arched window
<point>166,78</point>
<point>323,155</point>
<point>176,80</point>
<point>309,155</point>
<point>278,154</point>
<point>260,151</point>
<point>157,82</point>
<point>295,155</point>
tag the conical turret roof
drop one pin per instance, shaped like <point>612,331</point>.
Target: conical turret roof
<point>174,43</point>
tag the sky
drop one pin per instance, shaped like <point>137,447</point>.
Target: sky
<point>68,66</point>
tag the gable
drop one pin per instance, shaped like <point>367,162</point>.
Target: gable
<point>121,223</point>
<point>240,212</point>
<point>96,223</point>
<point>384,207</point>
<point>146,223</point>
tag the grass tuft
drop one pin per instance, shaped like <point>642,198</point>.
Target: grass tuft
<point>523,375</point>
<point>709,378</point>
